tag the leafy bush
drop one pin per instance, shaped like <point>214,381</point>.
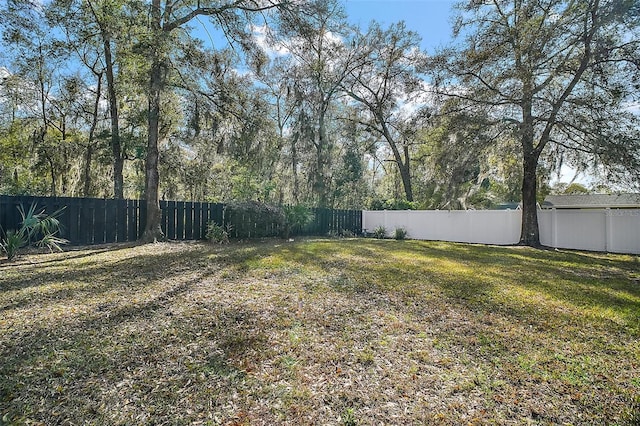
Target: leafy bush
<point>380,232</point>
<point>217,234</point>
<point>37,229</point>
<point>400,234</point>
<point>295,218</point>
<point>254,219</point>
<point>392,204</point>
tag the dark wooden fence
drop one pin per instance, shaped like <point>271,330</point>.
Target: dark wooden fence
<point>88,221</point>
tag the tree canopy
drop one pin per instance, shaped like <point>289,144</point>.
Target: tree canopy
<point>289,103</point>
<point>556,76</point>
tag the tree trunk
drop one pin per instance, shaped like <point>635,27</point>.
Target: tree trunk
<point>116,148</point>
<point>404,166</point>
<point>153,230</point>
<point>405,173</point>
<point>52,171</point>
<point>86,191</point>
<point>406,181</point>
<point>322,160</point>
<point>15,174</point>
<point>530,233</point>
<point>94,124</point>
<point>294,169</point>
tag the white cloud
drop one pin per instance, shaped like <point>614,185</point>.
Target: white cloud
<point>568,175</point>
<point>261,36</point>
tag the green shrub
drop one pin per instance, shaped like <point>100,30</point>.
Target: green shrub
<point>217,234</point>
<point>400,234</point>
<point>12,242</point>
<point>37,229</point>
<point>380,232</point>
<point>392,204</point>
<point>254,219</point>
<point>295,219</point>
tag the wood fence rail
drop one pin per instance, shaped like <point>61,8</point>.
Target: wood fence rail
<point>86,221</point>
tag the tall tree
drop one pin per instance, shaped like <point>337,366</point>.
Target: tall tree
<point>86,29</point>
<point>386,84</point>
<point>318,43</point>
<point>553,73</point>
<point>463,162</point>
<point>165,20</point>
<point>38,60</point>
<point>104,15</point>
<point>279,82</point>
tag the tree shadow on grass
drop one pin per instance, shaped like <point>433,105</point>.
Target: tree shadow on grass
<point>95,277</point>
<point>545,289</point>
<point>492,254</point>
<point>176,352</point>
<point>484,278</point>
<point>126,353</point>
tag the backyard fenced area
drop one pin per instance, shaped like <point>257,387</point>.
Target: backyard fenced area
<point>88,221</point>
<point>608,230</point>
<point>320,331</point>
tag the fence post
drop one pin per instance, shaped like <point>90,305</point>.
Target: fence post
<point>384,220</point>
<point>554,227</point>
<point>132,220</point>
<point>608,230</point>
<point>197,220</point>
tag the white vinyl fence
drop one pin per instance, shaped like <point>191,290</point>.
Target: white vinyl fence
<point>610,230</point>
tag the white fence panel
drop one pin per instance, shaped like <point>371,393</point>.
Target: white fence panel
<point>496,227</point>
<point>624,227</point>
<point>468,226</point>
<point>616,231</point>
<point>574,229</point>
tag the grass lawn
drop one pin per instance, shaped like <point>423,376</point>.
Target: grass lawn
<point>320,332</point>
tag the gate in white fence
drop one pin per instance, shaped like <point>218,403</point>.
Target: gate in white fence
<point>610,230</point>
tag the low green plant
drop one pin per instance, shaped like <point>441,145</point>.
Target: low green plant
<point>36,228</point>
<point>400,234</point>
<point>11,243</point>
<point>392,204</point>
<point>51,242</point>
<point>217,233</point>
<point>347,233</point>
<point>253,219</point>
<point>380,232</point>
<point>349,417</point>
<point>295,218</point>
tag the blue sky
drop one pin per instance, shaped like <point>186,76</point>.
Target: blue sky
<point>429,18</point>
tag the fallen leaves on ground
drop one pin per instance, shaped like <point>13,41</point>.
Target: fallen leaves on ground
<point>351,331</point>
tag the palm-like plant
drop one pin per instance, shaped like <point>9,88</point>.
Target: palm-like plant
<point>11,243</point>
<point>41,228</point>
<point>35,228</point>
